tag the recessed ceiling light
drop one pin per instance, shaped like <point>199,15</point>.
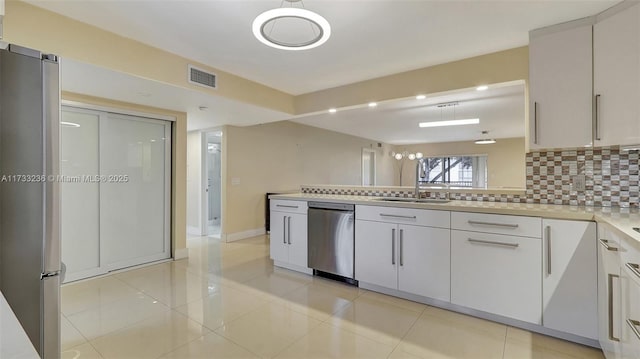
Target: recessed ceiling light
<point>372,104</point>
<point>482,88</point>
<point>332,110</point>
<point>469,121</point>
<point>421,97</point>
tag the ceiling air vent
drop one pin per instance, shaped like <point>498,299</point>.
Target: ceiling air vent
<point>202,78</point>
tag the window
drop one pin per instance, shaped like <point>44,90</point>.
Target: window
<point>458,171</point>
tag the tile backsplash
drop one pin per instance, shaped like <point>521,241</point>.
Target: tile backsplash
<point>611,180</point>
<point>611,177</point>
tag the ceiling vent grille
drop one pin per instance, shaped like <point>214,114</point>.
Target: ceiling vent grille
<point>202,78</point>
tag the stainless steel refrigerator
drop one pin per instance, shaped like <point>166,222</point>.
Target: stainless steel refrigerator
<point>29,193</point>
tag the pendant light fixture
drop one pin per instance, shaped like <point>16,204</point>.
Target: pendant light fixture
<point>486,140</point>
<point>291,28</point>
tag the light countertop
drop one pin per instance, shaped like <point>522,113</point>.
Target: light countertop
<point>622,219</point>
<point>14,342</point>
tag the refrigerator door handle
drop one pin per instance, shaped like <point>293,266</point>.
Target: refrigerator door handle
<point>51,125</point>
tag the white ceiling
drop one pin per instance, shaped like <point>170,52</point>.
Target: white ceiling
<point>370,38</point>
<point>92,80</point>
<point>500,109</point>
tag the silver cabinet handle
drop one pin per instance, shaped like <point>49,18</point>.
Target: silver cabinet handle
<point>596,119</point>
<point>286,206</point>
<point>535,123</point>
<point>548,235</point>
<point>505,225</point>
<point>396,216</point>
<point>605,243</point>
<point>284,229</point>
<point>401,250</point>
<point>480,241</point>
<point>633,324</point>
<point>393,246</point>
<point>634,268</point>
<point>610,305</point>
<point>289,229</point>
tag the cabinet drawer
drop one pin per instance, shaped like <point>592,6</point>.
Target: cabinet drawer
<point>630,336</point>
<point>630,256</point>
<point>420,217</point>
<point>497,224</point>
<point>288,206</point>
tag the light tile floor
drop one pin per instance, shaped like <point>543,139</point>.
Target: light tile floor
<point>228,301</point>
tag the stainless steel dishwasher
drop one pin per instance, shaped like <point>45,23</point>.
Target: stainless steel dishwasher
<point>331,238</point>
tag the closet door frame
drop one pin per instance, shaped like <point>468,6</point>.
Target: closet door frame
<point>103,112</point>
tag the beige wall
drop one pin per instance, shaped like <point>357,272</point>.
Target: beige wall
<point>30,26</point>
<point>280,157</point>
<point>505,159</point>
<point>178,160</point>
<point>504,66</point>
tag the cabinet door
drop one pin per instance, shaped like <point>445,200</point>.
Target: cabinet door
<point>569,285</point>
<point>630,311</point>
<point>560,76</point>
<point>297,239</point>
<point>376,255</point>
<point>609,293</point>
<point>424,259</point>
<point>279,249</point>
<point>616,71</point>
<point>498,274</point>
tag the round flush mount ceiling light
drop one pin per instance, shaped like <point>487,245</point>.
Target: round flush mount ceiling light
<point>290,28</point>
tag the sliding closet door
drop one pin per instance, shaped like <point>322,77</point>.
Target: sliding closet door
<point>134,198</point>
<point>79,205</point>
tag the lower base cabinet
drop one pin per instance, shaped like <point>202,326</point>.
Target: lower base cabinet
<point>412,259</point>
<point>570,277</point>
<point>498,274</point>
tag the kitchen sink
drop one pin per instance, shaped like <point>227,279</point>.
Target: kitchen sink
<point>414,200</point>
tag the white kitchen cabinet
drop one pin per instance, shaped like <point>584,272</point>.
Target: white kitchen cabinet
<point>616,68</point>
<point>288,237</point>
<point>375,255</point>
<point>560,85</point>
<point>569,284</point>
<point>424,258</point>
<point>630,313</point>
<point>630,298</point>
<point>609,293</point>
<point>498,274</point>
<point>409,258</point>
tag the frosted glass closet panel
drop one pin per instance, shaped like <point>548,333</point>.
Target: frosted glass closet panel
<point>133,213</point>
<point>79,204</point>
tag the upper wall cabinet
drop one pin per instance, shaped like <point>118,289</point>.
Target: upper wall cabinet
<point>560,73</point>
<point>616,56</point>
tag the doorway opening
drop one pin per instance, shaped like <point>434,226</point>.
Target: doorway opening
<point>213,183</point>
<point>368,167</point>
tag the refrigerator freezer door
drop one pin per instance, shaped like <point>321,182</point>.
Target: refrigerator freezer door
<point>24,193</point>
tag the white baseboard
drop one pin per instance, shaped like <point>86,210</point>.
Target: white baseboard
<point>242,235</point>
<point>181,253</point>
<point>194,231</point>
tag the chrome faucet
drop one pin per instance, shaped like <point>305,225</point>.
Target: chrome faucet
<point>420,173</point>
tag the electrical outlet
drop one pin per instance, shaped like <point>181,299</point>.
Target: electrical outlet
<point>235,181</point>
<point>578,183</point>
